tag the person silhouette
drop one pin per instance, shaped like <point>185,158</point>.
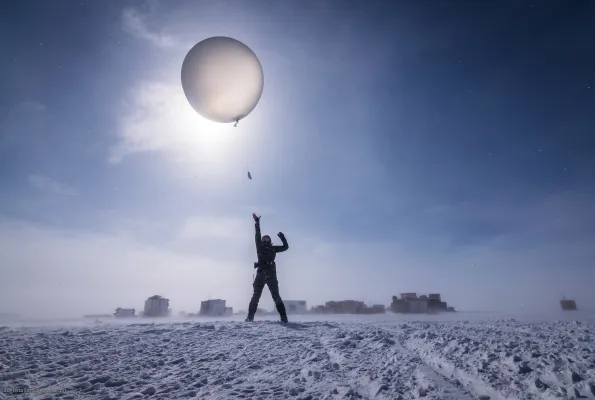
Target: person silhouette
<point>266,271</point>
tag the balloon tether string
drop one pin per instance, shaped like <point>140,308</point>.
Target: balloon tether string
<point>247,169</point>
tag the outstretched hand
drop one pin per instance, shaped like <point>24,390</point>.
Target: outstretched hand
<point>256,218</point>
<point>281,235</point>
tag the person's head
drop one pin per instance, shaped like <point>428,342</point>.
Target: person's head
<point>266,240</point>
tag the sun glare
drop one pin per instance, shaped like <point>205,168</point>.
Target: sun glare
<point>208,140</point>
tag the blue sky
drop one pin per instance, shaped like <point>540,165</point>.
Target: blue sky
<point>421,146</point>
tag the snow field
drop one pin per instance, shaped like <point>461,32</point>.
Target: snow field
<point>302,361</point>
<point>509,359</point>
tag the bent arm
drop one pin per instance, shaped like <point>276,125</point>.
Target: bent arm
<point>280,249</point>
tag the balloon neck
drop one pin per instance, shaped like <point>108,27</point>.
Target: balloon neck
<point>236,124</point>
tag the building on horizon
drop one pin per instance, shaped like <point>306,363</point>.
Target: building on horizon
<point>348,307</point>
<point>568,305</point>
<point>215,308</point>
<point>410,303</point>
<point>345,306</point>
<point>296,306</point>
<point>125,312</point>
<point>156,306</point>
<point>374,309</point>
<point>378,308</point>
<point>409,296</point>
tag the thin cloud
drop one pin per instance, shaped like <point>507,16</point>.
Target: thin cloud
<point>157,118</point>
<point>48,185</point>
<point>135,24</point>
<point>150,121</point>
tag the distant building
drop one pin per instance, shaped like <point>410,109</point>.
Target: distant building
<point>125,312</point>
<point>375,309</point>
<point>348,307</point>
<point>156,306</point>
<point>418,306</point>
<point>345,307</point>
<point>319,310</point>
<point>411,303</point>
<point>296,306</point>
<point>379,308</point>
<point>408,296</point>
<point>568,305</point>
<point>399,306</point>
<point>435,303</point>
<point>212,308</point>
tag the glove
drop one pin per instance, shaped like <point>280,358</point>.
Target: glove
<point>256,218</point>
<point>281,235</point>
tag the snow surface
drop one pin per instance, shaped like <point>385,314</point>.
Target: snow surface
<point>459,356</point>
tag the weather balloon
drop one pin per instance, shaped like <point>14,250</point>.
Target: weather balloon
<point>222,79</point>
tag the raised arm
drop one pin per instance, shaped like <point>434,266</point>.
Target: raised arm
<point>279,249</point>
<point>257,236</point>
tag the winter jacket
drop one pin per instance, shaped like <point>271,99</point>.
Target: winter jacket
<point>267,253</point>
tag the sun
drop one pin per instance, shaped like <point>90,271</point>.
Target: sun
<point>207,139</point>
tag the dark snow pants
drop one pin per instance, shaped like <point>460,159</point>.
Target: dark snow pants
<point>266,276</point>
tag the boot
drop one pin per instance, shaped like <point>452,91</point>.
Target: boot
<point>282,312</point>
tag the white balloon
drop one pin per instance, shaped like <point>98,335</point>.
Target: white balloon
<point>222,79</point>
